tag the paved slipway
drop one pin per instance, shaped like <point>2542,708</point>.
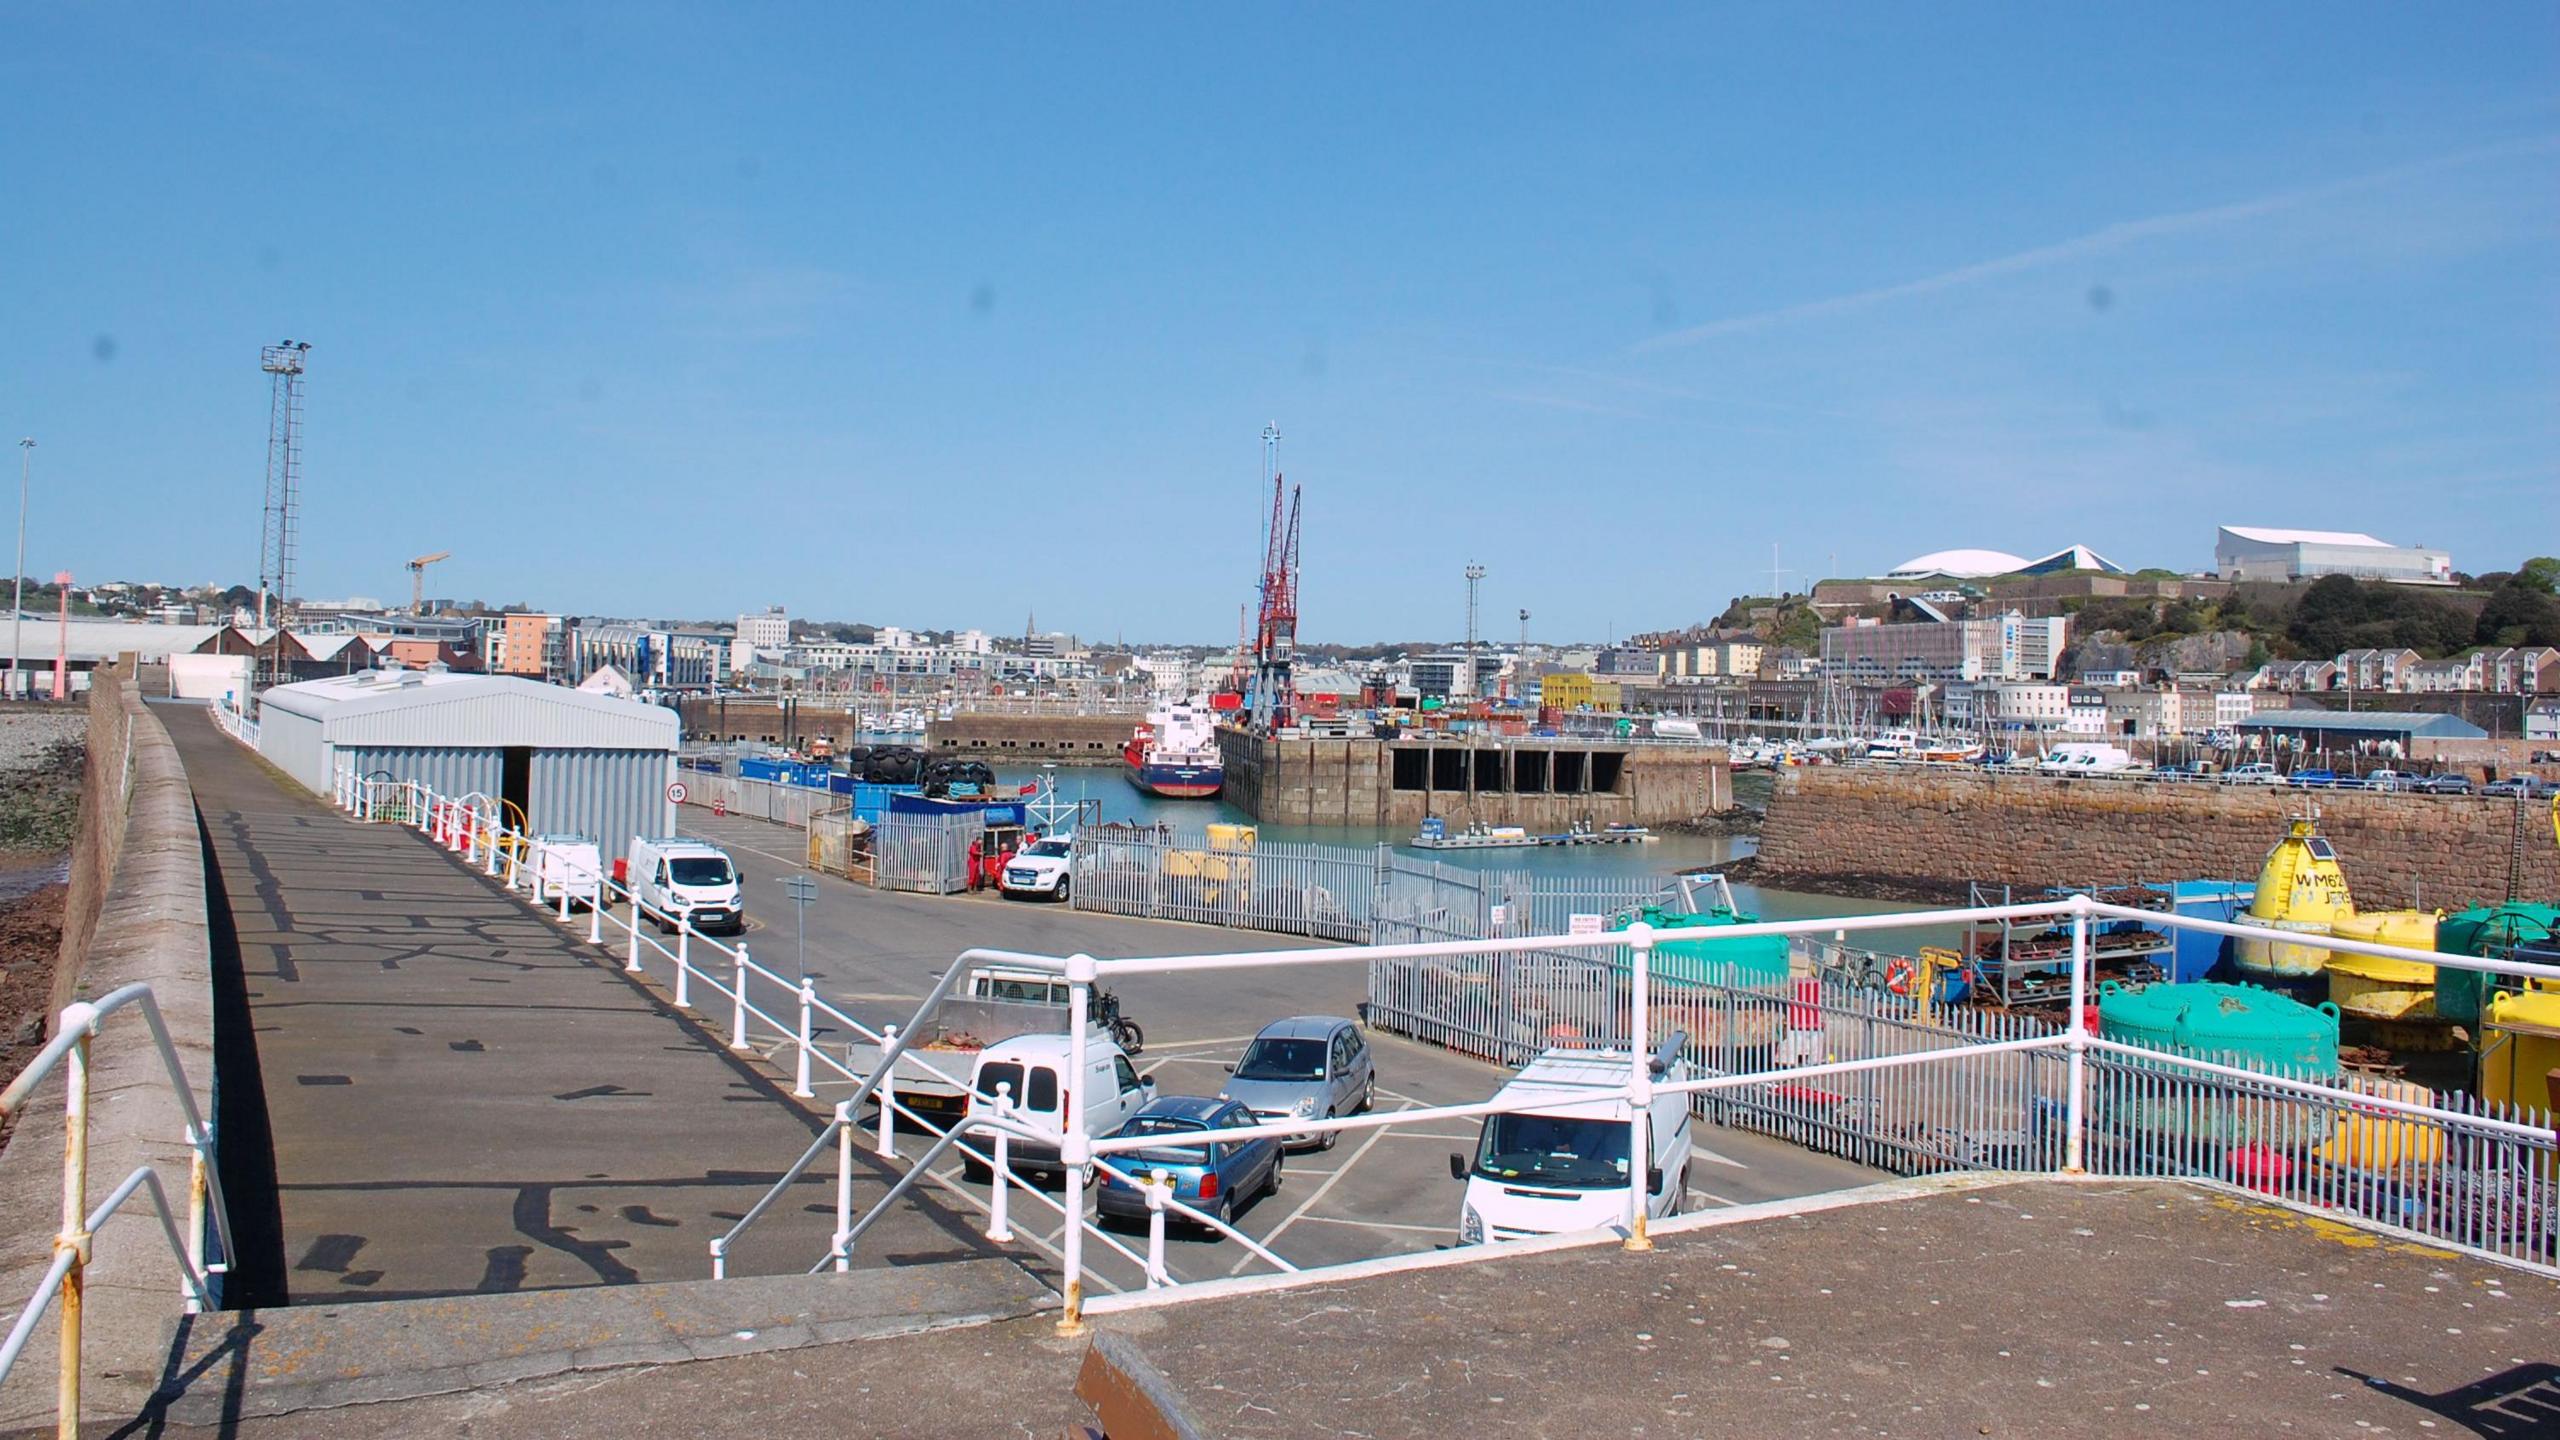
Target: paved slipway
<point>461,1099</point>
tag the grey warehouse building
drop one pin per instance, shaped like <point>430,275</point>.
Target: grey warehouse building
<point>563,760</point>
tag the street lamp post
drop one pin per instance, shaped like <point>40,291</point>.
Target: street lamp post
<point>18,585</point>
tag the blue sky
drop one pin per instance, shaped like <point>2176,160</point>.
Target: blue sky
<point>941,315</point>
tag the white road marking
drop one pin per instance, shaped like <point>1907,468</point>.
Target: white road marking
<point>1381,1225</point>
<point>1711,1195</point>
<point>799,864</point>
<point>1712,1158</point>
<point>1273,1234</point>
<point>1154,1045</point>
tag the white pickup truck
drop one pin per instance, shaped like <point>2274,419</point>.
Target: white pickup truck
<point>995,1003</point>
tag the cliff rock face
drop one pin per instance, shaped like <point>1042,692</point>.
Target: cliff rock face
<point>2441,851</point>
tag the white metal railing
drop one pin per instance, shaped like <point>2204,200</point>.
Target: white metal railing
<point>473,832</point>
<point>234,723</point>
<point>2080,1099</point>
<point>66,1279</point>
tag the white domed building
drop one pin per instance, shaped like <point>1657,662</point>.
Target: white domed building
<point>1959,565</point>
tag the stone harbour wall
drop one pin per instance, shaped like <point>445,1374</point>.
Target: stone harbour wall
<point>1936,827</point>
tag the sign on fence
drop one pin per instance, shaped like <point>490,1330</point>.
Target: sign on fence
<point>1585,924</point>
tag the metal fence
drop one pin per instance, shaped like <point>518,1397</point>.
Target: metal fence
<point>842,843</point>
<point>790,805</point>
<point>1323,891</point>
<point>925,853</point>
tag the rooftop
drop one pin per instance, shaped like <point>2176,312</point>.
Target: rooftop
<point>2413,722</point>
<point>2266,536</point>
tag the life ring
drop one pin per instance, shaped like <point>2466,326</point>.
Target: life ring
<point>1900,974</point>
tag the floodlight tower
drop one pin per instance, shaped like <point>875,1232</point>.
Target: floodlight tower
<point>277,532</point>
<point>1464,682</point>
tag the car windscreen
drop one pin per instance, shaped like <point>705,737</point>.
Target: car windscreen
<point>1050,849</point>
<point>1274,1059</point>
<point>700,870</point>
<point>1554,1150</point>
<point>1193,1154</point>
<point>1042,1093</point>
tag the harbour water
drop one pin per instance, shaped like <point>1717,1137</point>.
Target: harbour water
<point>1666,856</point>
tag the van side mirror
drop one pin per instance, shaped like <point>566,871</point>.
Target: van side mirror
<point>1229,1067</point>
<point>1457,1166</point>
<point>1653,1183</point>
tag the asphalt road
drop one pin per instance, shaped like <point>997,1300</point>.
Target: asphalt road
<point>876,953</point>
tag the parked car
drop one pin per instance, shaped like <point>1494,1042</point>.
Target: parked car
<point>2445,785</point>
<point>1304,1067</point>
<point>2313,779</point>
<point>1040,868</point>
<point>2521,787</point>
<point>2256,772</point>
<point>1560,1163</point>
<point>571,864</point>
<point>2389,780</point>
<point>1217,1177</point>
<point>2185,770</point>
<point>1031,1065</point>
<point>674,880</point>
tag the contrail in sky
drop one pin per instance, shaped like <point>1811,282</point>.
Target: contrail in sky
<point>2098,241</point>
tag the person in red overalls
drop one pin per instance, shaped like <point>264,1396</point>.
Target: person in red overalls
<point>977,865</point>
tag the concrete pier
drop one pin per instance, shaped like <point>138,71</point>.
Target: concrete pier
<point>1544,783</point>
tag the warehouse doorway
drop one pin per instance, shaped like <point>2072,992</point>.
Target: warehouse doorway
<point>515,782</point>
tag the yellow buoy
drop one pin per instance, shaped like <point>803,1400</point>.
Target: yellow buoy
<point>2378,987</point>
<point>2301,892</point>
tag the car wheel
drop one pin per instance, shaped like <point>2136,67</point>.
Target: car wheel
<point>1369,1093</point>
<point>1064,893</point>
<point>1271,1183</point>
<point>1331,1137</point>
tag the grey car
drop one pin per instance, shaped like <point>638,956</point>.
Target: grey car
<point>1307,1067</point>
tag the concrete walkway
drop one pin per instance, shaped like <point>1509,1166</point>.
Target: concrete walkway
<point>461,1098</point>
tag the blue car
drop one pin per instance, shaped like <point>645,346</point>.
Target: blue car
<point>1216,1177</point>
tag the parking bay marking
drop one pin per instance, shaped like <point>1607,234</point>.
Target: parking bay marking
<point>1273,1234</point>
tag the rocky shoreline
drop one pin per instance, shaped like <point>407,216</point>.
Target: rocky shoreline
<point>1893,889</point>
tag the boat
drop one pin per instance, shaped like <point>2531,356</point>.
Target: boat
<point>1436,835</point>
<point>1949,750</point>
<point>2301,893</point>
<point>1893,745</point>
<point>1174,753</point>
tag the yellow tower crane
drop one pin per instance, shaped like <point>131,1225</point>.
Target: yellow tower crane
<point>418,580</point>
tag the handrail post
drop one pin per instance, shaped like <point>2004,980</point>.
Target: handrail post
<point>800,1069</point>
<point>1639,1086</point>
<point>1073,1154</point>
<point>1159,1188</point>
<point>843,1250</point>
<point>81,1019</point>
<point>885,1093</point>
<point>564,891</point>
<point>2075,1121</point>
<point>684,962</point>
<point>999,1220</point>
<point>738,998</point>
<point>197,1186</point>
<point>632,919</point>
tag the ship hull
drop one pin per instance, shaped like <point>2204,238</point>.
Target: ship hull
<point>1178,782</point>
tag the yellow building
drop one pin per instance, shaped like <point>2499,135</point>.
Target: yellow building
<point>1579,692</point>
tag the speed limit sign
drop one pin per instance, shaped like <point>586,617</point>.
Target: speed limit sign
<point>676,792</point>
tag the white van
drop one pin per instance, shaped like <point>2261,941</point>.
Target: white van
<point>2086,758</point>
<point>673,880</point>
<point>1034,1065</point>
<point>1561,1165</point>
<point>570,865</point>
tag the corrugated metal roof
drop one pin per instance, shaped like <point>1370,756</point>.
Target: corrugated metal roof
<point>2266,536</point>
<point>106,639</point>
<point>2411,722</point>
<point>435,707</point>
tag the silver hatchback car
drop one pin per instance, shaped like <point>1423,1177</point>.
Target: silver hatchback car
<point>1306,1067</point>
